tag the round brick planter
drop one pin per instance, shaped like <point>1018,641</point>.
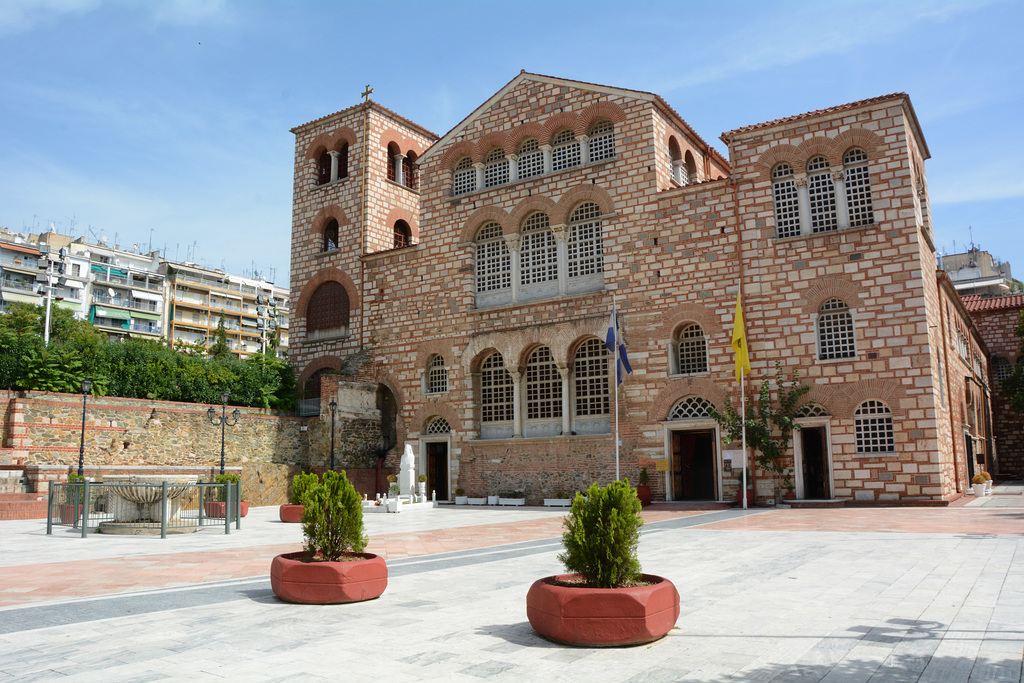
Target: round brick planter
<point>328,583</point>
<point>290,513</point>
<point>215,508</point>
<point>602,617</point>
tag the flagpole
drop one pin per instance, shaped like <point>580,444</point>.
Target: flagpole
<point>743,412</point>
<point>615,384</point>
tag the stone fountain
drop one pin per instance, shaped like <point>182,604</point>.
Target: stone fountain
<point>135,502</point>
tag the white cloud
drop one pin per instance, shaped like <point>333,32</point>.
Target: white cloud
<point>18,16</point>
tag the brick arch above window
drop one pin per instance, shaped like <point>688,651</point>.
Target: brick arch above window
<point>331,140</point>
<point>818,146</point>
<point>399,214</point>
<point>686,314</point>
<point>478,218</point>
<point>523,132</point>
<point>455,153</point>
<point>828,396</point>
<point>436,408</point>
<point>853,394</point>
<point>529,206</point>
<point>560,122</point>
<point>676,390</point>
<point>319,278</point>
<point>403,142</point>
<point>488,142</point>
<point>673,149</point>
<point>436,347</point>
<point>867,140</point>
<point>575,196</point>
<point>775,155</point>
<point>317,364</point>
<point>827,288</point>
<point>601,110</point>
<point>325,216</point>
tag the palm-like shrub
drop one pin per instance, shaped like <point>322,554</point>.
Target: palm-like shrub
<point>601,536</point>
<point>300,484</point>
<point>332,518</point>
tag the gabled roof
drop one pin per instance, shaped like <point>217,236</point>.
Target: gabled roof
<point>373,105</point>
<point>893,97</point>
<point>976,302</point>
<point>524,75</point>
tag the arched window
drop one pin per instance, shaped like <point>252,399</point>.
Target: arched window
<point>1001,369</point>
<point>835,331</point>
<point>565,150</point>
<point>437,375</point>
<point>538,253</point>
<point>495,168</point>
<point>493,265</point>
<point>692,350</point>
<point>691,167</point>
<point>438,425</point>
<point>393,152</point>
<point>874,431</point>
<point>585,248</point>
<point>787,203</point>
<point>330,236</point>
<point>323,168</point>
<point>602,141</point>
<point>531,159</point>
<point>342,162</point>
<point>811,410</point>
<point>858,187</point>
<point>676,159</point>
<point>543,386</point>
<point>403,234</point>
<point>822,194</point>
<point>690,408</point>
<point>332,166</point>
<point>328,309</point>
<point>409,178</point>
<point>590,374</point>
<point>464,179</point>
<point>496,391</point>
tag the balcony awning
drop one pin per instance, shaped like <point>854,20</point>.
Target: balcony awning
<point>113,271</point>
<point>148,296</point>
<point>111,313</point>
<point>251,322</point>
<point>73,305</point>
<point>14,297</point>
<point>18,247</point>
<point>145,316</point>
<point>74,284</point>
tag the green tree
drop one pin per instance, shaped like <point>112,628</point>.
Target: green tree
<point>602,533</point>
<point>220,349</point>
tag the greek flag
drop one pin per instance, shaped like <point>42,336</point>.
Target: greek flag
<point>618,347</point>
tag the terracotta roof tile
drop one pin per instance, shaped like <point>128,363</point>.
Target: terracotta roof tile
<point>976,302</point>
<point>819,112</point>
<point>380,107</point>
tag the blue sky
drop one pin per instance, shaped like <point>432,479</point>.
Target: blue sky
<point>169,120</point>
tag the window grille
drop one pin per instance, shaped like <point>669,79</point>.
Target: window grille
<point>496,391</point>
<point>787,204</point>
<point>822,195</point>
<point>1001,369</point>
<point>331,236</point>
<point>409,173</point>
<point>495,168</point>
<point>493,264</point>
<point>590,371</point>
<point>565,150</point>
<point>543,386</point>
<point>602,141</point>
<point>835,331</point>
<point>328,307</point>
<point>392,174</point>
<point>858,188</point>
<point>812,410</point>
<point>538,253</point>
<point>438,425</point>
<point>342,161</point>
<point>437,376</point>
<point>874,430</point>
<point>682,173</point>
<point>693,350</point>
<point>403,235</point>
<point>323,169</point>
<point>465,177</point>
<point>531,160</point>
<point>585,248</point>
<point>689,408</point>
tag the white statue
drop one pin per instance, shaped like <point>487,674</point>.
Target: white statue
<point>407,473</point>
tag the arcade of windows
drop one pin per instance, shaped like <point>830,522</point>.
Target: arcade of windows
<point>823,199</point>
<point>401,167</point>
<point>332,165</point>
<point>541,260</point>
<point>567,150</point>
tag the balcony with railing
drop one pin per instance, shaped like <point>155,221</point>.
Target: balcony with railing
<point>136,304</point>
<point>144,326</point>
<point>20,285</point>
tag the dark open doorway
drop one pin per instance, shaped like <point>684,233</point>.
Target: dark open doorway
<point>693,465</point>
<point>437,469</point>
<point>815,463</point>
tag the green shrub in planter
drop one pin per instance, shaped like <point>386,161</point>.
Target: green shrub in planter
<point>223,479</point>
<point>300,484</point>
<point>332,518</point>
<point>601,536</point>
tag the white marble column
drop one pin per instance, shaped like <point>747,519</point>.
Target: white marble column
<point>335,159</point>
<point>803,199</point>
<point>566,425</point>
<point>517,402</point>
<point>584,141</point>
<point>512,244</point>
<point>546,149</point>
<point>842,208</point>
<point>399,168</point>
<point>561,233</point>
<point>513,168</point>
<point>479,166</point>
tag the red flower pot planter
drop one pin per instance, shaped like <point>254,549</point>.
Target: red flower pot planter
<point>602,617</point>
<point>290,513</point>
<point>69,514</point>
<point>643,492</point>
<point>750,497</point>
<point>326,583</point>
<point>215,508</point>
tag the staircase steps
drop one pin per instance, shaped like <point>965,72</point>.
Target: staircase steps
<point>22,506</point>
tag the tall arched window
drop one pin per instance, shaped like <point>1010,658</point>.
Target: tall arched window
<point>409,178</point>
<point>585,247</point>
<point>822,194</point>
<point>496,397</point>
<point>330,236</point>
<point>835,331</point>
<point>858,187</point>
<point>543,386</point>
<point>565,150</point>
<point>874,430</point>
<point>495,168</point>
<point>691,350</point>
<point>691,167</point>
<point>602,141</point>
<point>464,179</point>
<point>437,375</point>
<point>403,234</point>
<point>676,159</point>
<point>328,310</point>
<point>590,375</point>
<point>493,264</point>
<point>538,253</point>
<point>342,162</point>
<point>392,152</point>
<point>531,159</point>
<point>787,203</point>
<point>332,165</point>
<point>323,168</point>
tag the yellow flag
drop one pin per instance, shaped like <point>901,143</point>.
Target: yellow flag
<point>739,342</point>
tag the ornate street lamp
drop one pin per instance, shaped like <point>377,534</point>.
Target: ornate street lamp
<point>334,407</point>
<point>86,387</point>
<point>223,422</point>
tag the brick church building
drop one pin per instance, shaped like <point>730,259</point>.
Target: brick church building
<point>461,286</point>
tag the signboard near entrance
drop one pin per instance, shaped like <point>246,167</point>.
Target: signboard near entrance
<point>661,465</point>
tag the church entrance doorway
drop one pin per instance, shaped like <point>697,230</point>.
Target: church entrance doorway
<point>814,464</point>
<point>437,469</point>
<point>693,465</point>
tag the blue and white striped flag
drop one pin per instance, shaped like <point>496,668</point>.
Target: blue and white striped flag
<point>613,341</point>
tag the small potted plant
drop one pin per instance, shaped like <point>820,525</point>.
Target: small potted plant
<point>978,484</point>
<point>790,486</point>
<point>215,507</point>
<point>512,498</point>
<point>292,511</point>
<point>561,499</point>
<point>605,600</point>
<point>70,510</point>
<point>643,487</point>
<point>749,489</point>
<point>988,482</point>
<point>460,496</point>
<point>421,487</point>
<point>332,567</point>
<point>393,488</point>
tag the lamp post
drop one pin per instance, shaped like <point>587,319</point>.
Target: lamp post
<point>334,407</point>
<point>223,422</point>
<point>86,387</point>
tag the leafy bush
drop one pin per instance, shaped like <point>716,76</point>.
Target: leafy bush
<point>978,479</point>
<point>332,518</point>
<point>602,535</point>
<point>300,484</point>
<point>224,479</point>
